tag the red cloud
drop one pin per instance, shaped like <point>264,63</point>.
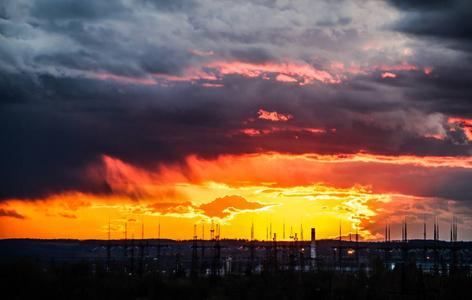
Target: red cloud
<point>285,78</point>
<point>465,124</point>
<point>388,74</point>
<point>273,116</point>
<point>199,53</point>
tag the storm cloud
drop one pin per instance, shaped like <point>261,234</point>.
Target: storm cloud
<point>448,21</point>
<point>152,82</point>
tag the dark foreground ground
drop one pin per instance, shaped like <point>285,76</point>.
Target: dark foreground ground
<point>24,278</point>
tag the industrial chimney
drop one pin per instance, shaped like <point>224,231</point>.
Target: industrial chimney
<point>313,244</point>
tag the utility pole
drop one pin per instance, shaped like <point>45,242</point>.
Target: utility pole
<point>301,231</point>
<point>159,247</point>
<point>202,271</point>
<point>194,268</point>
<point>340,246</point>
<point>126,240</point>
<point>251,266</point>
<point>284,230</point>
<point>108,247</point>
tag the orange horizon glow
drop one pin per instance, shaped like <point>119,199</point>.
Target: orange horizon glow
<point>233,191</point>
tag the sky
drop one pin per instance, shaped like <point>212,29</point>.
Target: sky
<point>282,114</point>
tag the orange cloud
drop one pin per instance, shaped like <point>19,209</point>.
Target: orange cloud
<point>165,208</point>
<point>225,207</point>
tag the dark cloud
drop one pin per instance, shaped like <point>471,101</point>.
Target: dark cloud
<point>422,5</point>
<point>68,216</point>
<point>252,55</point>
<point>10,213</point>
<point>57,127</point>
<point>163,60</point>
<point>172,5</point>
<point>449,20</point>
<point>66,10</point>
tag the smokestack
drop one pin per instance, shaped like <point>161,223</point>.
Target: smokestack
<point>126,239</point>
<point>437,230</point>
<point>212,230</point>
<point>284,231</point>
<point>313,244</point>
<point>403,231</point>
<point>406,231</point>
<point>452,222</point>
<point>455,229</point>
<point>301,231</point>
<point>386,232</point>
<point>424,228</point>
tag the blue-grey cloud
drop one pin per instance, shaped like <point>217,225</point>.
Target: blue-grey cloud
<point>446,20</point>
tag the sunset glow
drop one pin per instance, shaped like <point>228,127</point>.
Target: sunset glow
<point>235,191</point>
